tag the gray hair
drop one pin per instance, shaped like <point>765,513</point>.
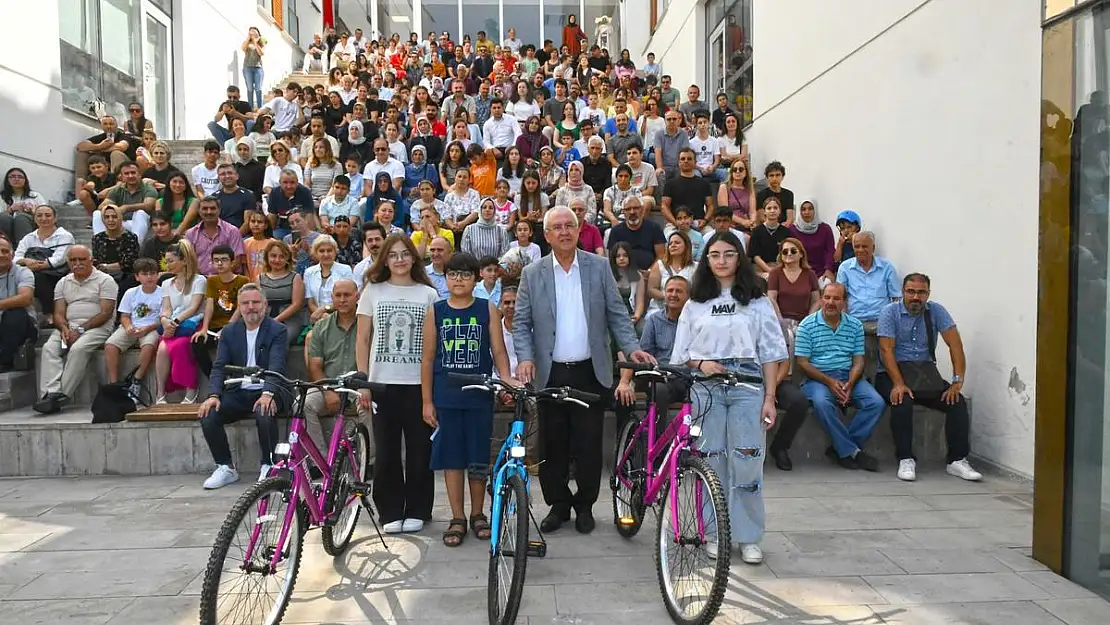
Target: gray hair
<point>344,281</point>
<point>595,140</point>
<point>77,247</point>
<point>631,198</point>
<point>843,288</point>
<point>555,210</point>
<point>251,287</point>
<point>867,234</point>
<point>324,239</point>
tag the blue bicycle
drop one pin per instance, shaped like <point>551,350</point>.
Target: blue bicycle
<point>510,498</point>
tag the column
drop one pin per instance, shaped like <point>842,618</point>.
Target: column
<point>418,18</point>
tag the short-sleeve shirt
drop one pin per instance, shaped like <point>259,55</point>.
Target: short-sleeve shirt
<point>144,308</point>
<point>83,297</point>
<point>911,344</point>
<point>334,345</point>
<point>319,288</point>
<point>179,300</point>
<point>16,278</point>
<point>234,205</point>
<point>868,291</point>
<point>783,195</point>
<point>705,150</point>
<point>279,205</point>
<point>689,192</point>
<point>765,242</point>
<point>225,299</point>
<point>121,195</point>
<point>207,179</point>
<point>827,349</point>
<point>643,241</point>
<point>793,297</point>
<point>397,344</point>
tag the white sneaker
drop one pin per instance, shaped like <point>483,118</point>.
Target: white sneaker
<point>161,401</point>
<point>265,472</point>
<point>963,470</point>
<point>73,203</point>
<point>711,547</point>
<point>394,527</point>
<point>750,553</point>
<point>412,525</point>
<point>190,396</point>
<point>907,470</point>
<point>222,476</point>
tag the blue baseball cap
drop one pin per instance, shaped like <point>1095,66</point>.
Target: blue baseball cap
<point>848,216</point>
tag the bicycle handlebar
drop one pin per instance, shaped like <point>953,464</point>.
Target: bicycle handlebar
<point>557,393</point>
<point>666,371</point>
<point>354,380</point>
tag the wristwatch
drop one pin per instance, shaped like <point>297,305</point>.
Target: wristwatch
<point>80,330</point>
<point>957,379</point>
<point>268,394</point>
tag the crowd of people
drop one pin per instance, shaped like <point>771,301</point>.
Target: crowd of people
<point>442,206</point>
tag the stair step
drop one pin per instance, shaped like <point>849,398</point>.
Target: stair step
<point>17,390</point>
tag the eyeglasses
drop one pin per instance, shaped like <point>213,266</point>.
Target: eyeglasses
<point>136,110</point>
<point>397,256</point>
<point>726,256</point>
<point>277,151</point>
<point>460,274</point>
<point>789,251</point>
<point>221,260</point>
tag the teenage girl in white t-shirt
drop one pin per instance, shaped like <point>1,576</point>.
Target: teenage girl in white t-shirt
<point>182,302</point>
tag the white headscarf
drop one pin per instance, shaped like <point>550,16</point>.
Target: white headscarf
<point>807,227</point>
<point>356,125</point>
<point>247,141</point>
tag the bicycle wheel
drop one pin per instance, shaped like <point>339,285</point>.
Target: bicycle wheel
<point>506,584</point>
<point>336,536</point>
<point>240,587</point>
<point>693,584</point>
<point>628,498</point>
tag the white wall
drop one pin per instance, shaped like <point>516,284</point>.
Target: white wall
<point>678,41</point>
<point>930,132</point>
<point>37,136</point>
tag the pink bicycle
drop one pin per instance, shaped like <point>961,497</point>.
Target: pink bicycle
<point>265,527</point>
<point>692,546</point>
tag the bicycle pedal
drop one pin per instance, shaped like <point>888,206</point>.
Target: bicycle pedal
<point>537,549</point>
<point>626,521</point>
<point>360,489</point>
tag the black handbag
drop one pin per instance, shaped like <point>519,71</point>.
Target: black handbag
<point>924,377</point>
<point>44,254</point>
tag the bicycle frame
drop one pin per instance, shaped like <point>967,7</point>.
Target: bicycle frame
<point>505,466</point>
<point>675,439</point>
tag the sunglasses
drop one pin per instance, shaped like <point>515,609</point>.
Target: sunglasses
<point>789,251</point>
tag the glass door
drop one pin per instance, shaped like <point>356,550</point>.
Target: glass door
<point>718,63</point>
<point>158,71</point>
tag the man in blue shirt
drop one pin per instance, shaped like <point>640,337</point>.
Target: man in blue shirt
<point>829,349</point>
<point>870,280</point>
<point>908,332</point>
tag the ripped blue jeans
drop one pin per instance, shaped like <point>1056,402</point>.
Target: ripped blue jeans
<point>734,442</point>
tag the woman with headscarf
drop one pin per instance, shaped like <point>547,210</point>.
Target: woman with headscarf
<point>383,191</point>
<point>531,139</point>
<point>577,189</point>
<point>573,35</point>
<point>417,170</point>
<point>356,143</point>
<point>551,174</point>
<point>484,237</point>
<point>817,238</point>
<point>251,172</point>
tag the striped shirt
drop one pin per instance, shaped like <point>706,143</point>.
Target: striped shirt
<point>827,349</point>
<point>484,240</point>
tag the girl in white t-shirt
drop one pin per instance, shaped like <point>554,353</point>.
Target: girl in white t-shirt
<point>502,204</point>
<point>182,311</point>
<point>523,241</point>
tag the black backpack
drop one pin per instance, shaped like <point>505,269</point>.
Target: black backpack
<point>114,401</point>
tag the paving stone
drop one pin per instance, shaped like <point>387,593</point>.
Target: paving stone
<point>955,588</point>
<point>68,611</point>
<point>1057,586</point>
<point>1078,611</point>
<point>18,542</point>
<point>84,540</point>
<point>158,611</point>
<point>872,504</point>
<point>851,540</point>
<point>118,583</point>
<point>924,561</point>
<point>992,613</point>
<point>864,562</point>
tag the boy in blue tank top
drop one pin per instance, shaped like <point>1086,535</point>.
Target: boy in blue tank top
<point>460,341</point>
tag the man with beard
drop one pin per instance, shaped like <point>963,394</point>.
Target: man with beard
<point>908,375</point>
<point>645,237</point>
<point>255,340</point>
<point>373,237</point>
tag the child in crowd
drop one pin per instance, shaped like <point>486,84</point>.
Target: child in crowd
<point>503,204</point>
<point>340,202</point>
<point>523,241</point>
<point>848,223</point>
<point>94,188</point>
<point>139,311</point>
<point>460,341</point>
<point>684,222</point>
<point>255,246</point>
<point>721,221</point>
<point>353,167</point>
<point>567,153</point>
<point>489,287</point>
<point>161,239</point>
<point>483,171</point>
<point>221,305</point>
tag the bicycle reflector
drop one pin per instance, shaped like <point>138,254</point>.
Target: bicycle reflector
<point>626,521</point>
<point>695,431</point>
<point>281,449</point>
<point>516,451</point>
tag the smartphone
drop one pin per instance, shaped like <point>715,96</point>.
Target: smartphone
<point>296,237</point>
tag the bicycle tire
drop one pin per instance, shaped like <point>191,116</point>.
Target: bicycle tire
<point>700,470</point>
<point>631,503</point>
<point>335,538</point>
<point>209,597</point>
<point>514,493</point>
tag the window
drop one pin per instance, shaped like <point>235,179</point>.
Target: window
<point>101,59</point>
<point>729,55</point>
<point>291,23</point>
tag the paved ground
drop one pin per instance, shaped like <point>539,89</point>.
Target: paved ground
<point>847,548</point>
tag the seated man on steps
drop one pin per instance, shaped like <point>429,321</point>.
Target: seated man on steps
<point>255,340</point>
<point>908,375</point>
<point>84,316</point>
<point>829,349</point>
<point>331,353</point>
<point>17,311</point>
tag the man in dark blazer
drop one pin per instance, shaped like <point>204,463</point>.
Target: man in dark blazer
<point>566,308</point>
<point>255,340</point>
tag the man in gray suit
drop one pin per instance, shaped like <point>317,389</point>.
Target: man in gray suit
<point>566,307</point>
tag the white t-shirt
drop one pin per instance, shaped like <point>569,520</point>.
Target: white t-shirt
<point>252,341</point>
<point>285,113</point>
<point>208,179</point>
<point>393,167</point>
<point>144,308</point>
<point>360,270</point>
<point>397,344</point>
<point>642,177</point>
<point>532,251</point>
<point>722,328</point>
<point>180,301</point>
<point>597,116</point>
<point>399,151</point>
<point>705,150</point>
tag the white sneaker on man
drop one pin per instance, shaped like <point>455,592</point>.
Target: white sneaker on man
<point>222,476</point>
<point>264,472</point>
<point>962,469</point>
<point>750,553</point>
<point>907,470</point>
<point>394,527</point>
<point>412,525</point>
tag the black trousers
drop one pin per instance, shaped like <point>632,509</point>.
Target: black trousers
<point>790,398</point>
<point>16,328</point>
<point>203,355</point>
<point>236,405</point>
<point>402,490</point>
<point>44,291</point>
<point>570,431</point>
<point>957,423</point>
<point>665,394</point>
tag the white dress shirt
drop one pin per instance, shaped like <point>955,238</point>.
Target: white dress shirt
<point>501,133</point>
<point>391,166</point>
<point>570,315</point>
<point>252,341</point>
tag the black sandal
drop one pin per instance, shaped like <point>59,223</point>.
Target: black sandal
<point>454,537</point>
<point>480,525</point>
